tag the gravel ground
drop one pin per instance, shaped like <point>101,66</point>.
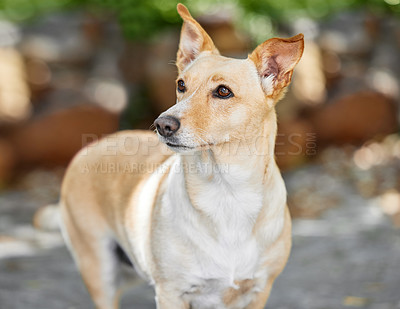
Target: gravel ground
<point>349,257</point>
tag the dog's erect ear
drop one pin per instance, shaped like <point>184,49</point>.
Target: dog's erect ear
<point>194,40</point>
<point>275,60</point>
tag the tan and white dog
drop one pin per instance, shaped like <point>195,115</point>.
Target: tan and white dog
<point>206,223</point>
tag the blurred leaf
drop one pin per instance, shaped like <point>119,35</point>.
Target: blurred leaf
<point>143,19</point>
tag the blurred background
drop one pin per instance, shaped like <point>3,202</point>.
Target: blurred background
<point>73,68</point>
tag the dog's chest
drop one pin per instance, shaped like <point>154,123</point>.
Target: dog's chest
<point>214,276</point>
<point>224,236</point>
<point>215,227</point>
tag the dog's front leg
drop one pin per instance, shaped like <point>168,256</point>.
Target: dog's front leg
<point>261,298</point>
<point>168,300</point>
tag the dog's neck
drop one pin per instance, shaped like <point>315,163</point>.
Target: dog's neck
<point>253,154</point>
<point>237,172</point>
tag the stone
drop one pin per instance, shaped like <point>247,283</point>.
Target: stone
<point>295,143</point>
<point>10,34</point>
<point>355,118</point>
<point>309,84</point>
<point>57,38</point>
<point>39,78</point>
<point>55,137</point>
<point>336,37</point>
<point>227,38</point>
<point>7,161</point>
<point>14,91</point>
<point>161,73</point>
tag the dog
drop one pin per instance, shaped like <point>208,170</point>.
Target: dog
<point>202,216</point>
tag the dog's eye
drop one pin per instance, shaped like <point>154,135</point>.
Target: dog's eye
<point>181,86</point>
<point>223,92</point>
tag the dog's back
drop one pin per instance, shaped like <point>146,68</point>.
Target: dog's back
<point>116,163</point>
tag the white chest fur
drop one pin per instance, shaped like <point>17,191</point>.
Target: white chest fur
<point>212,234</point>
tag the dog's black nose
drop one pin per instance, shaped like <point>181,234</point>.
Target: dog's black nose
<point>167,125</point>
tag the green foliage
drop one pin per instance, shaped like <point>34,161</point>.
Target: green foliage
<point>21,10</point>
<point>142,19</point>
<point>286,10</point>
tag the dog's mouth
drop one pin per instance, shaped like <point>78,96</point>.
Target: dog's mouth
<point>181,147</point>
<point>178,146</point>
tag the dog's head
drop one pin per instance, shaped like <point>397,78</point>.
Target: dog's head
<point>219,98</point>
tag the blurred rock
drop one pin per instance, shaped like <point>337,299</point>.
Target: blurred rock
<point>390,205</point>
<point>10,34</point>
<point>332,66</point>
<point>14,91</point>
<point>68,64</point>
<point>60,99</point>
<point>50,181</point>
<point>229,41</point>
<point>46,218</point>
<point>161,72</point>
<point>386,48</point>
<point>352,80</point>
<point>384,71</point>
<point>105,85</point>
<point>110,94</point>
<point>57,38</point>
<point>376,166</point>
<point>365,58</point>
<point>385,82</point>
<point>39,77</point>
<point>336,35</point>
<point>54,138</point>
<point>373,168</point>
<point>372,25</point>
<point>295,143</point>
<point>309,85</point>
<point>7,161</point>
<point>133,61</point>
<point>93,27</point>
<point>337,161</point>
<point>355,118</point>
<point>310,192</point>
